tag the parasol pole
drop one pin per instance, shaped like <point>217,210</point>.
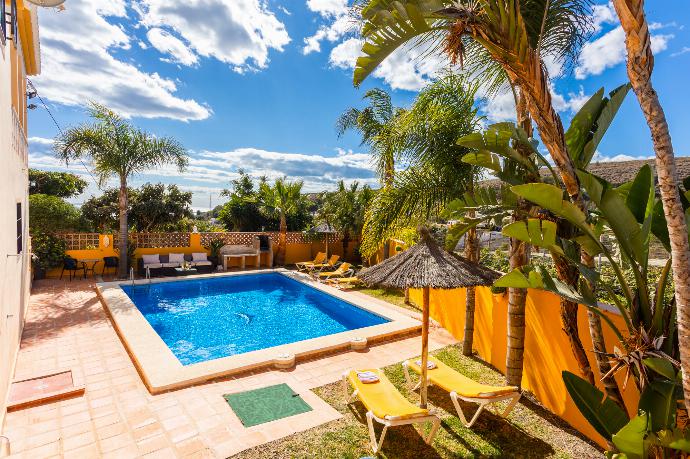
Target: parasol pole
<point>425,346</point>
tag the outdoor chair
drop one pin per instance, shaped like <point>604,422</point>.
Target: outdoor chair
<point>463,388</point>
<point>386,405</point>
<point>110,263</point>
<point>305,265</point>
<point>344,270</point>
<point>73,266</point>
<point>329,264</point>
<point>343,283</point>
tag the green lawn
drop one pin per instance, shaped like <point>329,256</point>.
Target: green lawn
<point>529,432</point>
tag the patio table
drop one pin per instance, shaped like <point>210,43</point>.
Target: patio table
<point>89,265</point>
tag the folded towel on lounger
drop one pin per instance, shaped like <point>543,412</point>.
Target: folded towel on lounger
<point>367,377</point>
<point>429,364</point>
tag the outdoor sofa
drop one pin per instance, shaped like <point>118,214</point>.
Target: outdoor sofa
<point>164,265</point>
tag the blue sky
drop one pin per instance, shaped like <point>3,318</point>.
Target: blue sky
<point>259,84</point>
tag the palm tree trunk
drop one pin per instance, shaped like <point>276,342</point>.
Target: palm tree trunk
<point>517,298</point>
<point>599,344</point>
<point>122,203</point>
<point>518,257</point>
<point>282,241</point>
<point>471,253</point>
<point>640,67</point>
<point>346,243</point>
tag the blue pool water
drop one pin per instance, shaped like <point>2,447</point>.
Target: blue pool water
<point>207,319</point>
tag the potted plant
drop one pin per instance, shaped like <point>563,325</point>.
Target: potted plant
<point>214,251</point>
<point>48,252</point>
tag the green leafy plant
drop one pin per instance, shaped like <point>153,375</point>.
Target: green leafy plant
<point>48,251</point>
<point>214,248</point>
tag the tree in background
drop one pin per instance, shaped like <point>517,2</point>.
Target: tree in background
<point>103,212</point>
<point>242,212</point>
<point>280,200</point>
<point>157,206</point>
<point>115,147</point>
<point>60,184</point>
<point>344,210</point>
<point>51,214</point>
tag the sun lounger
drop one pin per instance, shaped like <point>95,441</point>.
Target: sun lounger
<point>305,265</point>
<point>386,405</point>
<point>463,388</point>
<point>343,282</point>
<point>330,263</point>
<point>342,271</point>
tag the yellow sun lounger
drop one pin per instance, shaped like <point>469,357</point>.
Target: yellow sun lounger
<point>387,406</point>
<point>330,263</point>
<point>344,282</point>
<point>342,271</point>
<point>463,388</point>
<point>319,259</point>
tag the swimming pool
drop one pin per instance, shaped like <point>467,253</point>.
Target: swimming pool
<point>210,318</point>
<point>192,337</point>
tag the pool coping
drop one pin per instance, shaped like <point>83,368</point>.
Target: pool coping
<point>161,371</point>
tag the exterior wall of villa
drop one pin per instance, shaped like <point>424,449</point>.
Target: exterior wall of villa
<point>19,56</point>
<point>547,349</point>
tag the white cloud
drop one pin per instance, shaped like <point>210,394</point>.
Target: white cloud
<point>328,7</point>
<point>601,158</point>
<point>609,50</point>
<point>210,172</point>
<point>339,23</point>
<point>500,108</point>
<point>237,32</point>
<point>403,69</point>
<point>572,103</point>
<point>169,44</point>
<point>603,14</point>
<point>684,50</point>
<point>78,65</point>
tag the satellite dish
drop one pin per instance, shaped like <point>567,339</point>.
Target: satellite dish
<point>47,3</point>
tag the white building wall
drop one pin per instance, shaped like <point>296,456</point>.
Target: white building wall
<point>14,268</point>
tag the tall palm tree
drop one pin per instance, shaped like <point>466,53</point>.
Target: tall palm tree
<point>115,147</point>
<point>515,35</point>
<point>640,66</point>
<point>281,200</point>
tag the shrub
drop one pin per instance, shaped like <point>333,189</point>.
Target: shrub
<point>48,251</point>
<point>50,214</point>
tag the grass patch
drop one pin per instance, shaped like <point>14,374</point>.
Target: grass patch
<point>391,295</point>
<point>529,432</point>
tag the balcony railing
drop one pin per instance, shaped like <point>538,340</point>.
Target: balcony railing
<point>20,146</point>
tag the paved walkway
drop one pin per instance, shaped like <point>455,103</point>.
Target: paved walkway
<point>67,328</point>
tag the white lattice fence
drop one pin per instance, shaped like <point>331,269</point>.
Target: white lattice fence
<point>80,241</point>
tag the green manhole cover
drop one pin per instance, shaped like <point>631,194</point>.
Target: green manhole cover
<point>267,404</point>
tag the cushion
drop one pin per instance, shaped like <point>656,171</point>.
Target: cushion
<point>153,265</point>
<point>199,256</point>
<point>150,259</point>
<point>201,263</point>
<point>171,265</point>
<point>176,258</point>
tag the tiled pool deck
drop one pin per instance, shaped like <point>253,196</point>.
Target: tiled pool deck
<point>117,417</point>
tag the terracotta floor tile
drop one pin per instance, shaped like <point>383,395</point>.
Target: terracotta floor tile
<point>117,442</point>
<point>152,444</point>
<point>111,430</point>
<point>85,452</point>
<point>148,431</point>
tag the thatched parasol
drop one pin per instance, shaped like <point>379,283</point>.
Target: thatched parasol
<point>426,265</point>
<point>323,228</point>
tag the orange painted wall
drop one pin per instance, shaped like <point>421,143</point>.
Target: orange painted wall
<point>547,348</point>
<point>295,252</point>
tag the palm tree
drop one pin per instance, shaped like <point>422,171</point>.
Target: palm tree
<point>640,66</point>
<point>376,124</point>
<point>281,200</point>
<point>344,209</point>
<point>514,36</point>
<point>115,147</point>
